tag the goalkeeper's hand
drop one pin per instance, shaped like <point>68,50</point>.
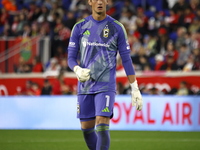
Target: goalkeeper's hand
<point>136,96</point>
<point>83,74</point>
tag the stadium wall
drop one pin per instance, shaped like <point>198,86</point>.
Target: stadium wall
<point>161,80</point>
<point>160,113</point>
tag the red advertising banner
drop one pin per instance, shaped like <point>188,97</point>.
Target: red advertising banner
<point>10,83</point>
<point>166,83</point>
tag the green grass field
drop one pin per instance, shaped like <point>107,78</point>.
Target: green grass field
<point>120,140</point>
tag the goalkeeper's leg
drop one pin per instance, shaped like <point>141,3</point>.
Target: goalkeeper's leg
<point>102,128</point>
<point>89,133</point>
<point>104,103</point>
<point>86,114</point>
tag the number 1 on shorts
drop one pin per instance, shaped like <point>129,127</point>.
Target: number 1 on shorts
<point>107,100</point>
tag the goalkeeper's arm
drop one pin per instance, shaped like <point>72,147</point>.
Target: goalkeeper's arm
<point>136,97</point>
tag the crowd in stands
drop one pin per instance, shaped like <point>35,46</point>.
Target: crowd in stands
<point>162,35</point>
<point>60,86</point>
<point>50,86</point>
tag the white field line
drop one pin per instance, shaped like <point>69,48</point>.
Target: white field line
<point>112,140</point>
<point>156,140</point>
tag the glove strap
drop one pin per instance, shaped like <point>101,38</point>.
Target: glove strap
<point>134,86</point>
<point>76,68</point>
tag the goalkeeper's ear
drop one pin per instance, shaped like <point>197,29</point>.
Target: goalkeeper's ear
<point>89,2</point>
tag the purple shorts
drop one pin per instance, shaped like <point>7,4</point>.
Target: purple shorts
<point>92,105</point>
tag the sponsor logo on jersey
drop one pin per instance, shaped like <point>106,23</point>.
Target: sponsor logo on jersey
<point>84,44</point>
<point>95,44</point>
<point>72,44</point>
<point>106,31</point>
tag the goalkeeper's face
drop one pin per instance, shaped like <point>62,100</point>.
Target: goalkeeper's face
<point>98,6</point>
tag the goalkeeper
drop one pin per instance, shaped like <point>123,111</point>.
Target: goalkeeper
<point>94,44</point>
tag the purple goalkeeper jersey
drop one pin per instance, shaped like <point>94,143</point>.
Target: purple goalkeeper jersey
<point>94,45</point>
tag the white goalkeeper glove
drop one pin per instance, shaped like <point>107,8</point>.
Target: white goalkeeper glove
<point>136,96</point>
<point>83,74</point>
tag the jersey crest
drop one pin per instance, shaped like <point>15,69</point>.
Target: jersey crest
<point>106,31</point>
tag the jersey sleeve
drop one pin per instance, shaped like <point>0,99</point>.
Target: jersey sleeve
<point>73,47</point>
<point>124,50</point>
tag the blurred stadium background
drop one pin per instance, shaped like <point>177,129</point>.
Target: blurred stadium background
<point>38,89</point>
